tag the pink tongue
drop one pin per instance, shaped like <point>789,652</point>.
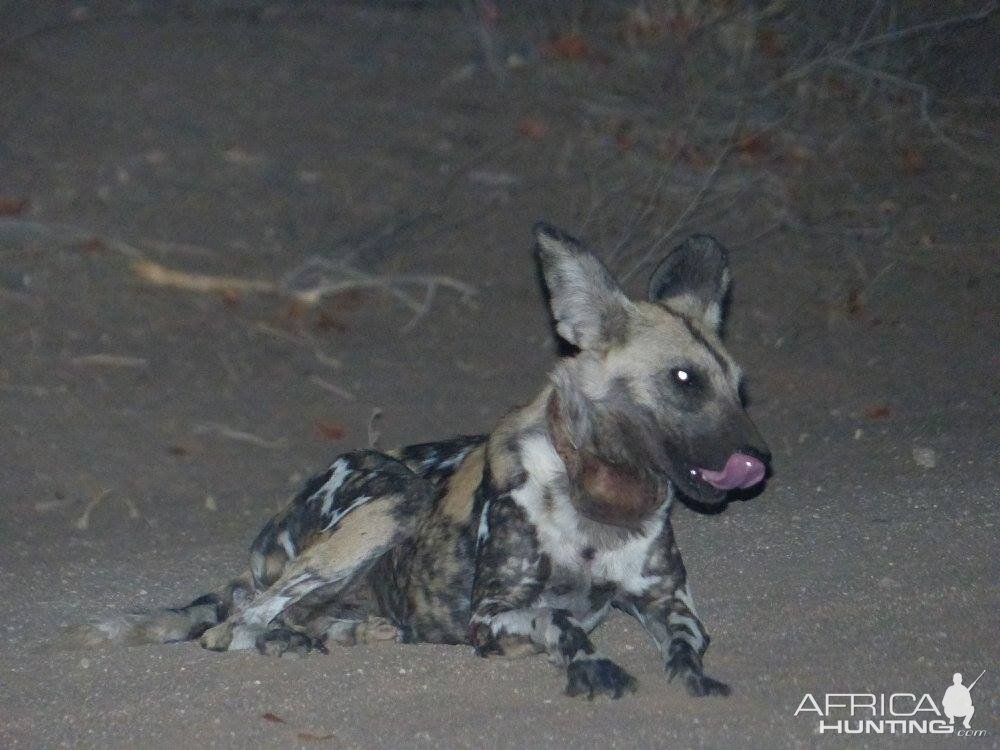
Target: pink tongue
<point>740,471</point>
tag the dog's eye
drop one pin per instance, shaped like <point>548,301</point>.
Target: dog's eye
<point>682,376</point>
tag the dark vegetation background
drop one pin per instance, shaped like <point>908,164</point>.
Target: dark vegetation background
<point>238,237</point>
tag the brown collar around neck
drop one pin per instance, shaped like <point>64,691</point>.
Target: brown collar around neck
<point>600,490</point>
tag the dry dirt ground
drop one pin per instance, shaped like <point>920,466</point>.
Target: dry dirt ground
<point>147,431</point>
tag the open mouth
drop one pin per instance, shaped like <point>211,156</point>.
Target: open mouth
<point>740,472</point>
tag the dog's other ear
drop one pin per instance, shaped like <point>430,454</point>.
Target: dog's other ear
<point>589,308</point>
<point>693,280</point>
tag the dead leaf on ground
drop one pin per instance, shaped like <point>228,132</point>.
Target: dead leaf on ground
<point>230,297</point>
<point>912,161</point>
<point>754,144</point>
<point>330,430</point>
<point>799,154</point>
<point>272,718</point>
<point>13,206</point>
<point>533,129</point>
<point>296,310</point>
<point>565,47</point>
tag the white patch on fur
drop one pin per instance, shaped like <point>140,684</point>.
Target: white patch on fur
<point>625,564</point>
<point>344,511</point>
<point>455,460</point>
<point>285,540</point>
<point>514,622</point>
<point>341,470</point>
<point>265,611</point>
<point>535,623</point>
<point>484,526</point>
<point>558,527</point>
<point>244,638</point>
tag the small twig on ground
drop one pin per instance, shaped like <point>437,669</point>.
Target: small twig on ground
<point>83,522</point>
<point>133,510</point>
<point>239,435</point>
<point>424,309</point>
<point>332,388</point>
<point>310,283</point>
<point>318,277</point>
<point>300,339</point>
<point>158,275</point>
<point>374,434</point>
<point>111,360</point>
<point>44,506</point>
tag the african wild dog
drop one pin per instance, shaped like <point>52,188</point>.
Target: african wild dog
<point>524,539</point>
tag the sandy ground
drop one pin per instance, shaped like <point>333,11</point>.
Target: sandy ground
<point>225,146</point>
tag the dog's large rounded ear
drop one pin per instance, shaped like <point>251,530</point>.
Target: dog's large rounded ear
<point>693,279</point>
<point>589,308</point>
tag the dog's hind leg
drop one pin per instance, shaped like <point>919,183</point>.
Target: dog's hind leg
<point>322,545</point>
<point>166,625</point>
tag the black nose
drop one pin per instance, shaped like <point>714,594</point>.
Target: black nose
<point>760,452</point>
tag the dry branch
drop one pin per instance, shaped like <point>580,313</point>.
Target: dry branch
<point>239,435</point>
<point>333,388</point>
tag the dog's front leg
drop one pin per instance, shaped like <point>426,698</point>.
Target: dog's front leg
<point>507,610</point>
<point>666,610</point>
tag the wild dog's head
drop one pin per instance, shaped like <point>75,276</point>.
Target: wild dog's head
<point>652,392</point>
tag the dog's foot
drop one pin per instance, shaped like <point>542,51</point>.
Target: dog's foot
<point>282,641</point>
<point>684,663</point>
<point>590,677</point>
<point>375,629</point>
<point>217,638</point>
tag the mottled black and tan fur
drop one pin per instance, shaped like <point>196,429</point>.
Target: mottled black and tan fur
<point>523,540</point>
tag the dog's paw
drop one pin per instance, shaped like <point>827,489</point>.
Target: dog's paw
<point>590,677</point>
<point>701,685</point>
<point>282,641</point>
<point>686,665</point>
<point>217,638</point>
<point>376,629</point>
